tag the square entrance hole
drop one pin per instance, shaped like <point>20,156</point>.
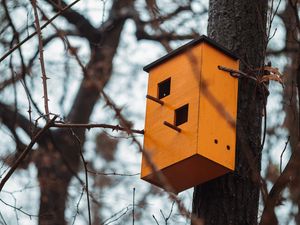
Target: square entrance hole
<point>181,115</point>
<point>164,88</point>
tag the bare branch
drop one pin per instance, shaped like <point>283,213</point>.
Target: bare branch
<point>84,27</point>
<point>34,33</point>
<point>97,125</point>
<point>16,35</point>
<point>161,35</point>
<point>18,209</point>
<point>7,116</point>
<point>163,18</point>
<point>116,216</point>
<point>287,176</point>
<point>25,152</point>
<point>42,63</point>
<point>86,175</point>
<point>113,174</point>
<point>142,34</point>
<point>133,203</point>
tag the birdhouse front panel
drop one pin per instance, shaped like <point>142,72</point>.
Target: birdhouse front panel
<point>218,108</point>
<point>174,83</point>
<point>191,112</point>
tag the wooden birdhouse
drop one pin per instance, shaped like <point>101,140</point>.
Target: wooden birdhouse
<point>191,103</point>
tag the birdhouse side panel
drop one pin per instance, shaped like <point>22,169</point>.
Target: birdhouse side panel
<point>166,145</point>
<point>218,108</point>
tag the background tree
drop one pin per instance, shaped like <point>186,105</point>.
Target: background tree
<point>84,49</point>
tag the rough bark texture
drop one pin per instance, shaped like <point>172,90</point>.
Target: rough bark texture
<point>239,25</point>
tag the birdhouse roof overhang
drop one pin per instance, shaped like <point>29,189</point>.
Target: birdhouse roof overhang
<point>188,45</point>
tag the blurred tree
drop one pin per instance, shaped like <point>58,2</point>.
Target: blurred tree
<point>290,18</point>
<point>57,156</point>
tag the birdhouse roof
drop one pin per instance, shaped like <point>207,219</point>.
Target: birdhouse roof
<point>188,45</point>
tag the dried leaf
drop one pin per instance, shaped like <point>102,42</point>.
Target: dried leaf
<point>273,70</point>
<point>273,77</point>
<point>273,74</point>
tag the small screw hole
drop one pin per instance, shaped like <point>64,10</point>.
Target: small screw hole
<point>228,147</point>
<point>216,141</point>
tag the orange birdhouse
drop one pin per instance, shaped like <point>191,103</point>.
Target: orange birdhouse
<point>190,132</point>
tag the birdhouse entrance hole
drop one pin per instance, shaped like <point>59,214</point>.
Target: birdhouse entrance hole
<point>181,115</point>
<point>164,88</point>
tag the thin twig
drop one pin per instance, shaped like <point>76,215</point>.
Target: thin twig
<point>155,219</point>
<point>96,125</point>
<point>18,209</point>
<point>163,216</point>
<point>26,151</point>
<point>77,206</point>
<point>3,220</point>
<point>63,36</point>
<point>16,36</point>
<point>106,222</point>
<point>113,174</point>
<point>86,175</point>
<point>281,155</point>
<point>133,200</point>
<point>171,211</point>
<point>103,11</point>
<point>42,63</point>
<point>29,106</point>
<point>34,33</point>
<point>265,119</point>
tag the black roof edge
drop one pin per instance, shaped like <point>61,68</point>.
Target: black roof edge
<point>192,43</point>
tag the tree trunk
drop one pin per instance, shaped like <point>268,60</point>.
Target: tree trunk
<point>290,92</point>
<point>57,162</point>
<point>239,25</point>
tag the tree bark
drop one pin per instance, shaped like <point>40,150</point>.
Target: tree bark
<point>239,25</point>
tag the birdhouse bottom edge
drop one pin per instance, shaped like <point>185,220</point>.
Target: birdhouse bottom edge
<point>188,173</point>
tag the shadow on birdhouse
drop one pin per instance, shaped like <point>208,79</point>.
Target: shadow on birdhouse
<point>187,137</point>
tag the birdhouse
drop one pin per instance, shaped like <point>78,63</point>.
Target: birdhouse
<point>190,132</point>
